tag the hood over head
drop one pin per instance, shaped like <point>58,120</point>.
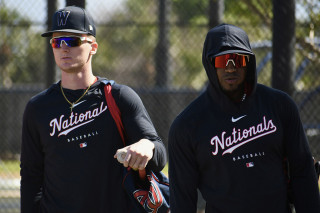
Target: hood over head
<point>224,39</point>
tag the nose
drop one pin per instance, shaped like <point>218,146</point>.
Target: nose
<point>63,45</point>
<point>230,67</point>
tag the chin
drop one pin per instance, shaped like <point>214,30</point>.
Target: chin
<point>69,68</point>
<point>231,88</point>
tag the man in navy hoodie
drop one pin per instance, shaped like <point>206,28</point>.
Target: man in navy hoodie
<point>231,142</point>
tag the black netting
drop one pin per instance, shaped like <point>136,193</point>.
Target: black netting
<point>158,56</point>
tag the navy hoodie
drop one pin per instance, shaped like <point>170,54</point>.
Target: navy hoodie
<point>234,152</point>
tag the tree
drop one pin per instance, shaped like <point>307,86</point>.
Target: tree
<point>190,12</point>
<point>20,52</point>
<point>126,44</point>
<point>307,36</point>
<point>129,40</point>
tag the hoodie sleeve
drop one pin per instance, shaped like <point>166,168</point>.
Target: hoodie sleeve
<point>301,166</point>
<point>138,125</point>
<point>31,163</point>
<point>183,170</point>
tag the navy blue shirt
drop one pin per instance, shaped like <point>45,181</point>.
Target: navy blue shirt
<point>67,162</point>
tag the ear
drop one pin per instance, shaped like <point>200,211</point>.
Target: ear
<point>94,48</point>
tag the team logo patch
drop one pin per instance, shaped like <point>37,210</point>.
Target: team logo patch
<point>83,145</point>
<point>237,119</point>
<point>250,164</point>
<point>63,17</point>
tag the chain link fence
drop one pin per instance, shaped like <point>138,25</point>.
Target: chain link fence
<point>162,64</point>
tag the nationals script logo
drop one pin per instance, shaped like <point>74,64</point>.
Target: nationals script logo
<point>240,137</point>
<point>64,126</point>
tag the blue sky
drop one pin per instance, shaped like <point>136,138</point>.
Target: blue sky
<point>36,10</point>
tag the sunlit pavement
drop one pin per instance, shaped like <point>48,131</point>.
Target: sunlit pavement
<point>9,187</point>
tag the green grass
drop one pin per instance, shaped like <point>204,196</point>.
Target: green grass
<point>165,170</point>
<point>10,168</point>
<point>13,167</point>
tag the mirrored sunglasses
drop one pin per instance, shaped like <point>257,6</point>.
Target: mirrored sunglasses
<point>70,41</point>
<point>238,60</point>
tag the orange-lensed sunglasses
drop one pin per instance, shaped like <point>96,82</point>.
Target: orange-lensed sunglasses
<point>238,60</point>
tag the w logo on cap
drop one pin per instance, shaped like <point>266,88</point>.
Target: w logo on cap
<point>63,17</point>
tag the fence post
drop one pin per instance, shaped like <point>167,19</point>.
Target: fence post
<point>162,48</point>
<point>50,63</point>
<point>162,67</point>
<point>79,3</point>
<point>216,10</point>
<point>283,48</point>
